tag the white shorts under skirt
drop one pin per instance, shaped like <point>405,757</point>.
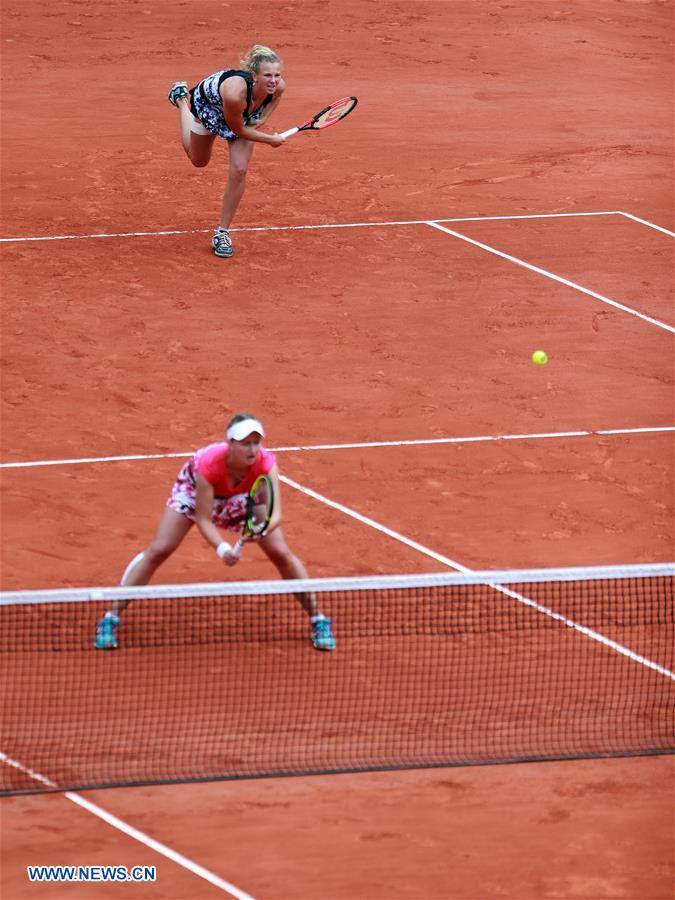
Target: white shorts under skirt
<point>196,127</point>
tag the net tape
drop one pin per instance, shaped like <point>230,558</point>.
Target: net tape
<point>494,577</point>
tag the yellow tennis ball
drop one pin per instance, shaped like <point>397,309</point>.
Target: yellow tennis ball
<point>539,358</point>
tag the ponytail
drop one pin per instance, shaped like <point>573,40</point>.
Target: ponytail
<point>257,55</point>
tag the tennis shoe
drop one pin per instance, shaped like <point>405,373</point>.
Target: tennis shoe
<point>106,632</point>
<point>221,243</point>
<point>322,636</point>
<point>179,91</point>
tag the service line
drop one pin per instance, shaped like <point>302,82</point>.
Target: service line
<point>362,445</point>
<point>571,284</point>
<point>648,224</point>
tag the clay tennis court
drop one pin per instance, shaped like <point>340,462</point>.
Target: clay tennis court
<point>502,186</point>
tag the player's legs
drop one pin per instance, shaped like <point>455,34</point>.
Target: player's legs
<point>171,530</point>
<point>289,566</point>
<point>201,147</point>
<point>197,146</point>
<point>240,156</point>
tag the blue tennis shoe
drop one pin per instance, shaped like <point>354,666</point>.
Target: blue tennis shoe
<point>179,91</point>
<point>106,632</point>
<point>322,636</point>
<point>221,243</point>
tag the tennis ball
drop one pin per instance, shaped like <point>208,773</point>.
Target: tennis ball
<point>539,358</point>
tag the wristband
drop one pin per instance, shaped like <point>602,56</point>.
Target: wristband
<point>223,548</point>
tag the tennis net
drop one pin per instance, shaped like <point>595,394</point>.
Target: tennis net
<point>220,681</point>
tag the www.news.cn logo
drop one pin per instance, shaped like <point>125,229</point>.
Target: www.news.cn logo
<point>91,873</point>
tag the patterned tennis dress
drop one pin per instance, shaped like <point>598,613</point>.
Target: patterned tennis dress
<point>206,104</point>
<point>229,503</point>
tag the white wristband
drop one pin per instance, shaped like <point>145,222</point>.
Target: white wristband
<point>223,548</point>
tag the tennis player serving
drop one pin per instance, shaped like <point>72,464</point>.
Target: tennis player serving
<point>216,489</point>
<point>230,104</point>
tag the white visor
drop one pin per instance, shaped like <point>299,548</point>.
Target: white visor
<point>241,430</point>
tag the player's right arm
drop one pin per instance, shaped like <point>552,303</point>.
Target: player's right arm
<point>233,94</point>
<point>203,509</point>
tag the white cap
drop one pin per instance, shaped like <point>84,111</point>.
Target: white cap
<point>241,430</point>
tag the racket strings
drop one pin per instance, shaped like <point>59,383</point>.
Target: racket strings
<point>336,111</point>
<point>260,508</point>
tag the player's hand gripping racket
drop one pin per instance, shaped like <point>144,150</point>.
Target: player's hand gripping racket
<point>328,116</point>
<point>259,508</point>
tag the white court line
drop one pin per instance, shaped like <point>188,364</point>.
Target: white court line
<point>553,276</point>
<point>353,446</point>
<point>126,234</point>
<point>132,832</point>
<point>648,224</point>
<point>453,564</point>
<point>92,459</point>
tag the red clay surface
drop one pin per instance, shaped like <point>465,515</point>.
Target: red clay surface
<point>578,829</point>
<point>596,500</point>
<point>612,255</point>
<point>115,346</point>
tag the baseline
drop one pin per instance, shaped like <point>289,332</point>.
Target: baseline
<point>163,233</point>
<point>123,234</point>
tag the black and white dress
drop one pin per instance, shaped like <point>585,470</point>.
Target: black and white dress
<point>206,104</point>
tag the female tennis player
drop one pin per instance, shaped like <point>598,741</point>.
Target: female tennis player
<point>230,104</point>
<point>211,491</point>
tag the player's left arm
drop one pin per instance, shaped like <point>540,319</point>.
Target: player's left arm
<point>269,109</point>
<point>275,521</point>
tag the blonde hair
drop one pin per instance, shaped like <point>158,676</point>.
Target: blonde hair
<point>256,55</point>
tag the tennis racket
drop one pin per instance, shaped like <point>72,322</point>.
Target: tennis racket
<point>328,116</point>
<point>259,508</point>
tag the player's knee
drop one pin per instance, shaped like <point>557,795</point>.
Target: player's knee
<point>158,552</point>
<point>238,173</point>
<point>279,555</point>
<point>199,162</point>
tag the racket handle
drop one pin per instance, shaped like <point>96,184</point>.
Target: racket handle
<point>289,133</point>
<point>237,547</point>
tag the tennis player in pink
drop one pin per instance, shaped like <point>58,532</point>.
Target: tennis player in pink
<point>210,492</point>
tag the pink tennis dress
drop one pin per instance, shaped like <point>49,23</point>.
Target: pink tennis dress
<point>229,503</point>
